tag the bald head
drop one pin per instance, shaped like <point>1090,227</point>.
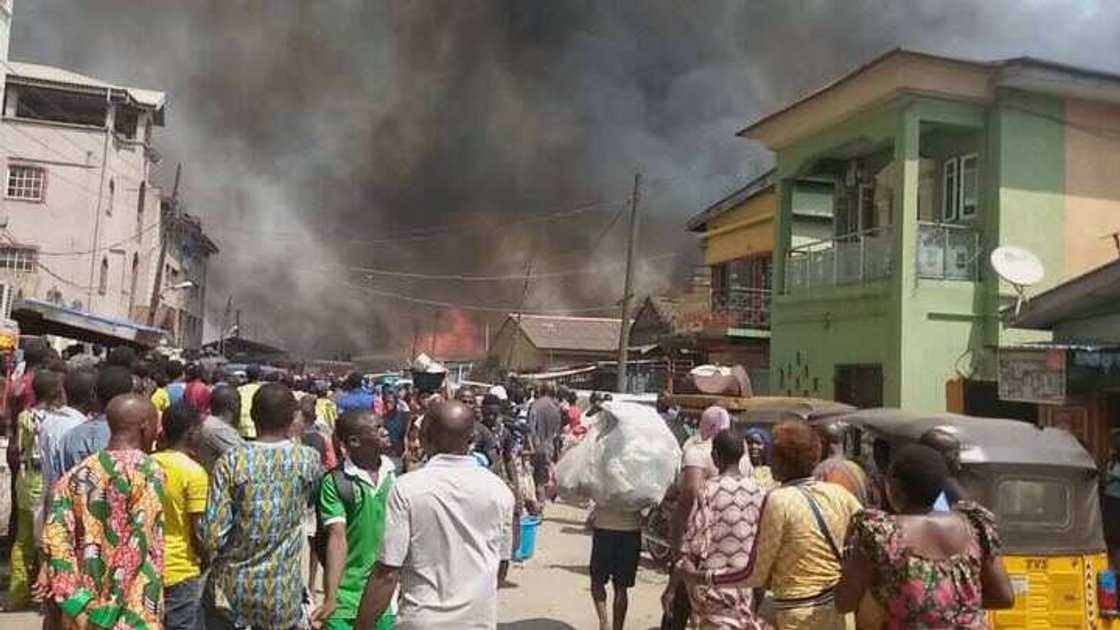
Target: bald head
<point>449,428</point>
<point>133,421</point>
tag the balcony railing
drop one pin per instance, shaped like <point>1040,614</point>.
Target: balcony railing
<point>740,308</point>
<point>948,252</point>
<point>850,259</point>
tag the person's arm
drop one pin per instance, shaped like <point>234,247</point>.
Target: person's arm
<point>333,512</point>
<point>506,516</point>
<point>764,552</point>
<point>378,595</point>
<point>691,483</point>
<point>670,592</point>
<point>218,519</point>
<point>855,579</point>
<point>995,585</point>
<point>197,490</point>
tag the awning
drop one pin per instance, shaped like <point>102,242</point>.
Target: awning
<point>37,317</point>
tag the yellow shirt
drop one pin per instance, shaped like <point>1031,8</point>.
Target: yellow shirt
<point>184,496</point>
<point>247,429</point>
<point>326,410</point>
<point>161,400</point>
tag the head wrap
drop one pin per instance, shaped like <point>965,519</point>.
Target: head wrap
<point>713,420</point>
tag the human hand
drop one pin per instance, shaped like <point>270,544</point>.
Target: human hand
<point>322,613</point>
<point>667,598</point>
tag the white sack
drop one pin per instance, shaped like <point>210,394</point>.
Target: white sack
<point>627,459</point>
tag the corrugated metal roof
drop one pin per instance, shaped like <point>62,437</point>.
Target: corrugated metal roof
<point>63,77</point>
<point>580,334</point>
<point>759,184</point>
<point>1088,293</point>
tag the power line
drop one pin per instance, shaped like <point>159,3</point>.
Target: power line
<point>501,278</point>
<point>473,307</point>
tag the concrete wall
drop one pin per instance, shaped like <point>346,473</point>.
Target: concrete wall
<point>1092,184</point>
<point>93,183</point>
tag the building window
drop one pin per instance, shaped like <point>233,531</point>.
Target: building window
<point>26,182</point>
<point>140,208</point>
<point>970,185</point>
<point>17,258</point>
<point>103,279</point>
<point>112,195</point>
<point>960,187</point>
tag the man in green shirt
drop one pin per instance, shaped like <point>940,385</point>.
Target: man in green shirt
<point>352,507</point>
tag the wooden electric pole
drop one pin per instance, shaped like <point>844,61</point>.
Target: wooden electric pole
<point>167,224</point>
<point>631,246</point>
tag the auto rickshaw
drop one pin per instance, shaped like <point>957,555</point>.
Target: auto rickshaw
<point>1042,486</point>
<point>762,411</point>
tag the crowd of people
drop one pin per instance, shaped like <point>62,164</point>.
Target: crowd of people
<point>784,513</point>
<point>148,493</point>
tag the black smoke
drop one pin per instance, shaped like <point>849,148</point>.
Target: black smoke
<point>318,135</point>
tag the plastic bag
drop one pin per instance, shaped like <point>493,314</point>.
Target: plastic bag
<point>627,460</point>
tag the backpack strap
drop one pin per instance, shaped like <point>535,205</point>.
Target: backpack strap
<point>344,485</point>
<point>821,524</point>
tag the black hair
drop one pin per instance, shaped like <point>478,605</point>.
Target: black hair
<point>353,381</point>
<point>46,385</point>
<point>143,369</point>
<point>160,377</point>
<point>728,445</point>
<point>275,377</point>
<point>225,399</point>
<point>193,372</point>
<point>273,408</point>
<point>349,423</point>
<point>79,386</point>
<point>121,356</point>
<point>174,370</point>
<point>253,373</point>
<point>572,398</point>
<point>178,420</point>
<point>920,473</point>
<point>34,351</point>
<point>112,382</point>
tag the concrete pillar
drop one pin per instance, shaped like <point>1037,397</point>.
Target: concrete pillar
<point>783,221</point>
<point>901,371</point>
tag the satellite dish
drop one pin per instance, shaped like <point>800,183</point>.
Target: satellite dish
<point>1019,267</point>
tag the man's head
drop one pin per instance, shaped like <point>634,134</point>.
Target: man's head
<point>491,409</point>
<point>448,428</point>
<point>797,450</point>
<point>274,409</point>
<point>713,420</point>
<point>174,370</point>
<point>112,382</point>
<point>727,450</point>
<point>193,372</point>
<point>389,400</point>
<point>225,402</point>
<point>180,422</point>
<point>121,356</point>
<point>546,390</point>
<point>34,352</point>
<point>253,373</point>
<point>307,410</point>
<point>832,434</point>
<point>47,386</point>
<point>664,402</point>
<point>79,385</point>
<point>364,437</point>
<point>133,422</point>
<point>353,382</point>
<point>945,442</point>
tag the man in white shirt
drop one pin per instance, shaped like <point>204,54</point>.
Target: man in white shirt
<point>448,529</point>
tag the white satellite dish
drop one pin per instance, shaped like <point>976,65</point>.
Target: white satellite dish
<point>1019,267</point>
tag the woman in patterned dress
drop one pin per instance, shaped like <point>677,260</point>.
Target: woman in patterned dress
<point>927,569</point>
<point>720,535</point>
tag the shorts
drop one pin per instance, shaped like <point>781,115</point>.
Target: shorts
<point>614,557</point>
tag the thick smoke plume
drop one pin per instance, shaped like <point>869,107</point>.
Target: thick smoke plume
<point>321,135</point>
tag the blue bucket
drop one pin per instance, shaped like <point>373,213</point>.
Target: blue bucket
<point>529,525</point>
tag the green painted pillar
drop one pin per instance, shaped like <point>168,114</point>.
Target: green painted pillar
<point>902,372</point>
<point>782,229</point>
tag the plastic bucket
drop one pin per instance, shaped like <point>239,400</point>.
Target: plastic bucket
<point>529,526</point>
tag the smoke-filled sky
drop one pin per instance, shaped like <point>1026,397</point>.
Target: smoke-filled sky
<point>420,135</point>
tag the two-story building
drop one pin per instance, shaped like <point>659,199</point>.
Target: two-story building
<point>933,163</point>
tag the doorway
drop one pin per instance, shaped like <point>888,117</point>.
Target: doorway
<point>860,385</point>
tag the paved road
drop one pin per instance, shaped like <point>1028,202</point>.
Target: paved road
<point>551,590</point>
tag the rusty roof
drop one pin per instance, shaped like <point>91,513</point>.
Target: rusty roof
<point>563,332</point>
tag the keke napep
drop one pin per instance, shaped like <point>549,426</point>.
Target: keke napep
<point>1043,487</point>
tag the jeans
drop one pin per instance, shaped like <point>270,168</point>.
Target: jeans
<point>182,605</point>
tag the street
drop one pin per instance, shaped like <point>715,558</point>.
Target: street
<point>551,590</point>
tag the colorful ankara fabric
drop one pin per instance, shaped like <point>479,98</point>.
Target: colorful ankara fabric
<point>792,557</point>
<point>103,541</point>
<point>253,528</point>
<point>720,535</point>
<point>919,592</point>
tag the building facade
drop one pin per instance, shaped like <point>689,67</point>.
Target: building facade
<point>933,163</point>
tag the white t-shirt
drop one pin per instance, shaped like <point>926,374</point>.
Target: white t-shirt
<point>448,526</point>
<point>699,455</point>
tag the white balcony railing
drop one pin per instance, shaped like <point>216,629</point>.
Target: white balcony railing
<point>850,259</point>
<point>948,252</point>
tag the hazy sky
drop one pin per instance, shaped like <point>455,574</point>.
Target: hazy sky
<point>319,135</point>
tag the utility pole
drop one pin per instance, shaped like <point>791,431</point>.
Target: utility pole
<point>631,245</point>
<point>435,331</point>
<point>165,231</point>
